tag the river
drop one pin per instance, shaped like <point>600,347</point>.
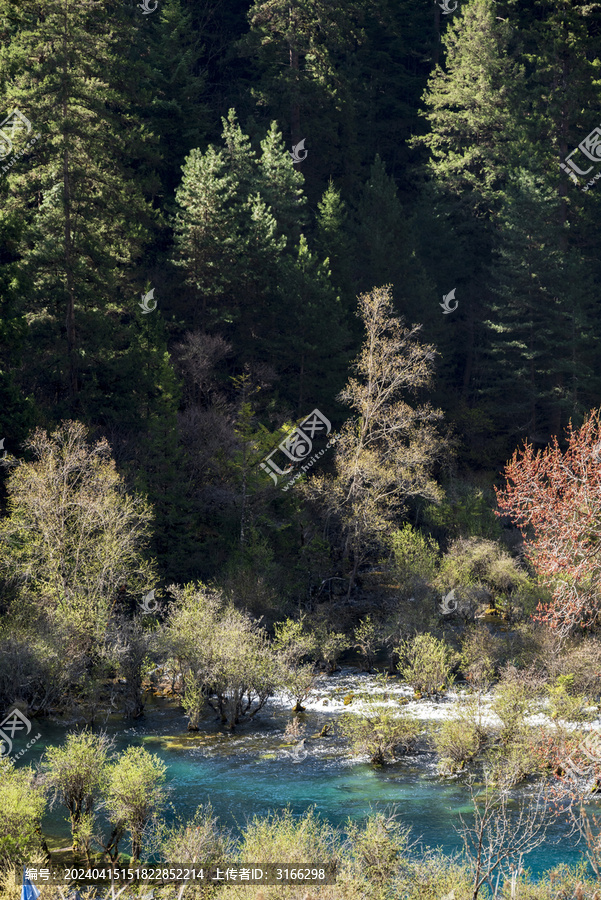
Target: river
<point>253,771</point>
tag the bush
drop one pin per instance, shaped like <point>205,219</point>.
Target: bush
<point>486,565</point>
<point>329,645</point>
<point>426,664</point>
<point>480,656</point>
<point>379,844</point>
<point>199,839</point>
<point>513,699</point>
<point>284,838</point>
<point>459,740</point>
<point>293,645</point>
<point>512,760</point>
<point>223,655</point>
<point>380,733</point>
<point>22,809</point>
<point>511,763</point>
<point>366,638</point>
<point>565,704</point>
<point>416,558</point>
<point>135,794</point>
<point>466,510</point>
<point>581,660</point>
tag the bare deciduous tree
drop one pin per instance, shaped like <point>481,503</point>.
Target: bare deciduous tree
<point>386,451</point>
<point>497,841</point>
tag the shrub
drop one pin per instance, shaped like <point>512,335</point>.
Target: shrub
<point>512,700</point>
<point>75,774</point>
<point>294,644</point>
<point>199,839</point>
<point>480,656</point>
<point>512,762</point>
<point>485,564</point>
<point>466,510</point>
<point>459,740</point>
<point>416,557</point>
<point>134,794</point>
<point>22,809</point>
<point>282,837</point>
<point>366,637</point>
<point>565,704</point>
<point>378,845</point>
<point>380,732</point>
<point>426,664</point>
<point>223,655</point>
<point>329,645</point>
<point>581,659</point>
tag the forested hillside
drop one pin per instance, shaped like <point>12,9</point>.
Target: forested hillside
<point>433,146</point>
<point>300,426</point>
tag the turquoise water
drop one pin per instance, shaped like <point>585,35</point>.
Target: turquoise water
<point>246,774</point>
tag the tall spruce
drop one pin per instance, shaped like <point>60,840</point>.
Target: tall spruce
<point>81,192</point>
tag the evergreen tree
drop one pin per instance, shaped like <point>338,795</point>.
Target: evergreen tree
<point>176,111</point>
<point>239,240</point>
<point>282,186</point>
<point>385,250</point>
<point>538,347</point>
<point>334,240</point>
<point>85,216</point>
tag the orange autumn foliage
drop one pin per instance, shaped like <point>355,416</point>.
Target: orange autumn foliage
<point>554,497</point>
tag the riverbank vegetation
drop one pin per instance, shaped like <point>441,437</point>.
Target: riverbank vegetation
<point>442,531</point>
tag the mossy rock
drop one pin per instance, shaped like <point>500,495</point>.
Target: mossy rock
<point>417,695</point>
<point>348,699</point>
<point>402,701</point>
<point>325,701</point>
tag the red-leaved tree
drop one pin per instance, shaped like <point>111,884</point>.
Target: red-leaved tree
<point>554,497</point>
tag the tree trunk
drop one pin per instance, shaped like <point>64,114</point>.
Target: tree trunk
<point>295,104</point>
<point>70,313</point>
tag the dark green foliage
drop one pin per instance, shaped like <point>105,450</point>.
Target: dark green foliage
<point>164,164</point>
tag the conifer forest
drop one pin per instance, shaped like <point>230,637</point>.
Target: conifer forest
<point>300,449</point>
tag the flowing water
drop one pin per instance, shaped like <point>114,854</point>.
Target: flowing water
<point>256,770</point>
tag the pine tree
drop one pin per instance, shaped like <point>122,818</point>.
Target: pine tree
<point>385,251</point>
<point>226,235</point>
<point>282,186</point>
<point>538,346</point>
<point>334,241</point>
<point>177,110</point>
<point>85,215</point>
<point>313,323</point>
<point>240,244</point>
<point>475,108</point>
